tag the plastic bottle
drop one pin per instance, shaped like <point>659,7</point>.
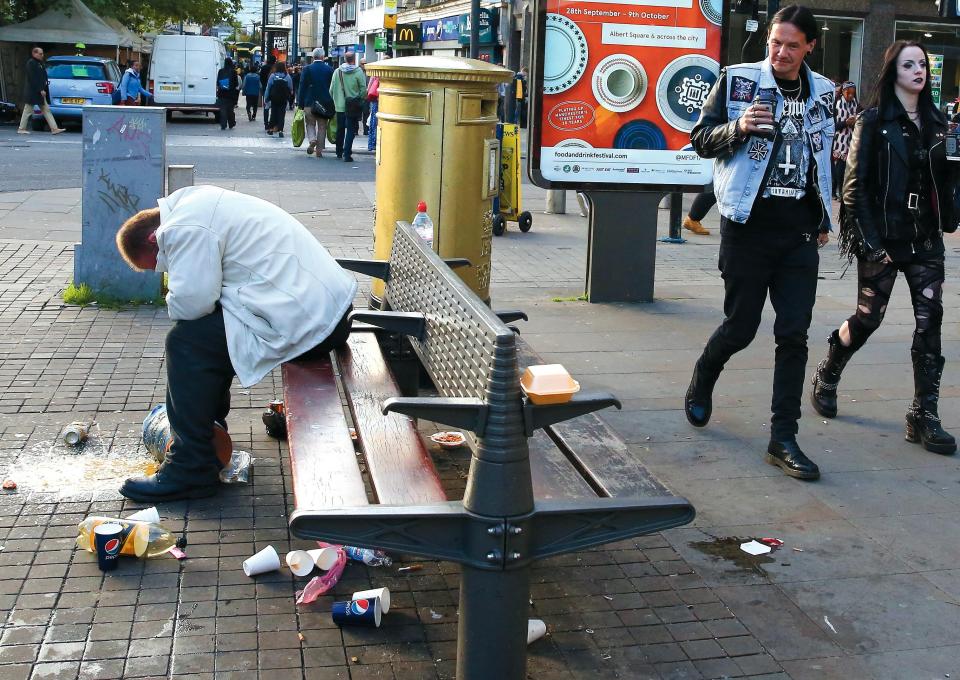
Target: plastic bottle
<point>373,558</point>
<point>422,223</point>
<point>140,539</point>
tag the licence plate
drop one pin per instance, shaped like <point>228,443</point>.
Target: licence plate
<point>169,88</point>
<point>72,100</point>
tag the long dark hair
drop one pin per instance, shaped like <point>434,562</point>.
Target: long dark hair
<point>799,16</point>
<point>883,91</point>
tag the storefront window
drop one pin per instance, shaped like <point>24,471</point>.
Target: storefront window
<point>837,54</point>
<point>943,44</point>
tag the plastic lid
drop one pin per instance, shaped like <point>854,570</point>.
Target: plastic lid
<point>422,206</point>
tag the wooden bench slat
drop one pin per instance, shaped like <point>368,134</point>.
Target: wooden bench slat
<point>401,470</point>
<point>553,475</point>
<point>324,461</point>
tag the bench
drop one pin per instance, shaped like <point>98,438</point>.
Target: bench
<point>544,480</point>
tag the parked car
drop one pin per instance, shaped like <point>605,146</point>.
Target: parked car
<point>76,82</point>
<point>183,72</point>
<point>8,112</point>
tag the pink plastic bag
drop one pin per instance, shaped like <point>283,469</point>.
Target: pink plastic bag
<point>319,585</point>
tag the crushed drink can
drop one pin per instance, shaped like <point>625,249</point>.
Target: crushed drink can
<point>75,433</point>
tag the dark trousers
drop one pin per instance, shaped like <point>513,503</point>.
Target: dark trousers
<point>755,261</point>
<point>839,167</point>
<point>366,117</point>
<point>346,131</point>
<point>278,114</point>
<point>253,102</point>
<point>701,205</point>
<point>266,114</point>
<point>227,115</point>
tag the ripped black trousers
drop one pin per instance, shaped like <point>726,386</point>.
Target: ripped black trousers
<point>875,282</point>
<point>755,261</point>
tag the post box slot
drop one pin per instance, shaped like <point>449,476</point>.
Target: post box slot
<point>474,108</point>
<point>405,106</point>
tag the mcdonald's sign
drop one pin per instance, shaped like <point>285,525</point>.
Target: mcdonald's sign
<point>407,35</point>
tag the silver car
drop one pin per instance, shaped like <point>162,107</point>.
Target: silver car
<point>76,82</point>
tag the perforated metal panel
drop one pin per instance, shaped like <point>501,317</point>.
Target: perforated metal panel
<point>467,350</point>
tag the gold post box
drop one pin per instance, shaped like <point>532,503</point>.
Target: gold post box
<point>437,142</point>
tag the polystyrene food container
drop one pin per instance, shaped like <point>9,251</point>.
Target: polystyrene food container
<point>548,384</point>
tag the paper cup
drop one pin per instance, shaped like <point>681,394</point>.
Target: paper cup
<point>300,562</point>
<point>264,561</point>
<point>361,612</point>
<point>108,540</point>
<point>146,515</point>
<point>324,558</point>
<point>383,594</point>
<point>536,629</point>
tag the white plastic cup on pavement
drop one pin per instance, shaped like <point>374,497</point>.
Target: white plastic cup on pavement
<point>264,561</point>
<point>382,593</point>
<point>536,629</point>
<point>325,558</point>
<point>146,515</point>
<point>300,562</point>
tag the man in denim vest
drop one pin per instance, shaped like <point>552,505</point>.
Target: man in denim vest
<point>769,125</point>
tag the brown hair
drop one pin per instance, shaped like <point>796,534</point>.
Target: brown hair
<point>133,234</point>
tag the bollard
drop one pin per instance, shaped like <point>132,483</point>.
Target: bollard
<point>676,217</point>
<point>556,202</point>
<point>179,176</point>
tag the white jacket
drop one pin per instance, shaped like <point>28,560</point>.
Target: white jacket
<point>280,290</point>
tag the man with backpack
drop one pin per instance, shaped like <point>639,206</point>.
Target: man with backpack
<point>349,91</point>
<point>314,98</point>
<point>228,92</point>
<point>279,89</point>
<point>266,70</point>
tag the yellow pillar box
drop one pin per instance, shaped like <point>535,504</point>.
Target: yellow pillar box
<point>437,142</point>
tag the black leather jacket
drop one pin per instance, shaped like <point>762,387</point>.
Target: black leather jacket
<point>875,184</point>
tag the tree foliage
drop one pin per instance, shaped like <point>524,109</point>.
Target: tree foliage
<point>138,15</point>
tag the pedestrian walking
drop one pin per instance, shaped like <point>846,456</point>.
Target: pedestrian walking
<point>279,87</point>
<point>295,78</point>
<point>698,210</point>
<point>314,98</point>
<point>768,125</point>
<point>130,86</point>
<point>373,97</point>
<point>228,92</point>
<point>898,199</point>
<point>36,91</point>
<point>348,90</point>
<point>251,90</point>
<point>248,289</point>
<point>845,117</point>
<point>366,102</point>
<point>266,70</point>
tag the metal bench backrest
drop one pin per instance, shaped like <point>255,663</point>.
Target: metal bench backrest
<point>467,350</point>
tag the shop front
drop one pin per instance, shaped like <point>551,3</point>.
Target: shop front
<point>442,36</point>
<point>490,51</point>
<point>407,39</point>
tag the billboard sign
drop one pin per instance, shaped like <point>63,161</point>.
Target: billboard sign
<point>619,86</point>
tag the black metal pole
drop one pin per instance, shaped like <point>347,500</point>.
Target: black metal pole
<point>264,20</point>
<point>326,28</point>
<point>474,29</point>
<point>295,32</point>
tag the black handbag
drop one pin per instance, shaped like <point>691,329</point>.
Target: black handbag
<point>353,106</point>
<point>321,110</point>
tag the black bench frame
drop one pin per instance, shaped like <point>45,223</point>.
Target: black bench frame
<point>499,528</point>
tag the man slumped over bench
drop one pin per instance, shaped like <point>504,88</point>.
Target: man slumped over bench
<point>249,288</point>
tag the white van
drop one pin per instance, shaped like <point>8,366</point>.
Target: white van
<point>183,72</point>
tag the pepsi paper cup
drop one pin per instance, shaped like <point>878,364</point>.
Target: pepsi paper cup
<point>362,612</point>
<point>108,539</point>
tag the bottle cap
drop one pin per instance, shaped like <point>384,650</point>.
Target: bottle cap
<point>422,206</point>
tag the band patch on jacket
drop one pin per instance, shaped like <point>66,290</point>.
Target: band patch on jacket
<point>758,150</point>
<point>827,100</point>
<point>817,140</point>
<point>742,89</point>
<point>816,115</point>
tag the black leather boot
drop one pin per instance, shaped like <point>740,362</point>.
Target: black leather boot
<point>827,376</point>
<point>786,455</point>
<point>163,486</point>
<point>923,421</point>
<point>698,404</point>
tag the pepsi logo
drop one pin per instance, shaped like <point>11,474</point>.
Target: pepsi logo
<point>359,607</point>
<point>112,547</point>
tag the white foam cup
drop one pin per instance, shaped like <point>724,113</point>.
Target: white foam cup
<point>146,515</point>
<point>536,629</point>
<point>300,562</point>
<point>264,561</point>
<point>324,558</point>
<point>382,593</point>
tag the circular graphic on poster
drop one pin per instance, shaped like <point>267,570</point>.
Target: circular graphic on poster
<point>712,11</point>
<point>570,116</point>
<point>619,83</point>
<point>564,54</point>
<point>640,134</point>
<point>683,88</point>
<point>573,143</point>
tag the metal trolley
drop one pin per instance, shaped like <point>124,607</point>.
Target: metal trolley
<point>507,205</point>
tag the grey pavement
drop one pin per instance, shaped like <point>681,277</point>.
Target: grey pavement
<point>866,585</point>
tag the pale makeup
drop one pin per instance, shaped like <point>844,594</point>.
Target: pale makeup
<point>911,71</point>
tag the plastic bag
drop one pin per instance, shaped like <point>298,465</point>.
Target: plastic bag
<point>299,128</point>
<point>332,130</point>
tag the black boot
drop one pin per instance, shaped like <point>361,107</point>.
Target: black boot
<point>827,376</point>
<point>698,404</point>
<point>164,486</point>
<point>923,422</point>
<point>786,455</point>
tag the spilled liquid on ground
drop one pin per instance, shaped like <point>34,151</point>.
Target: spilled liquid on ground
<point>728,549</point>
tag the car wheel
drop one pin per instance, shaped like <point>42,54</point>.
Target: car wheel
<point>169,115</point>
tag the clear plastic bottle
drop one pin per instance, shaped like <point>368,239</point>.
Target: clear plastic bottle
<point>422,223</point>
<point>140,539</point>
<point>373,558</point>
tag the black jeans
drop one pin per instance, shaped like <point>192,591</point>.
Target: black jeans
<point>346,131</point>
<point>755,261</point>
<point>278,114</point>
<point>839,167</point>
<point>701,205</point>
<point>227,116</point>
<point>253,103</point>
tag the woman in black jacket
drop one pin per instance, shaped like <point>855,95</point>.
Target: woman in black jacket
<point>898,199</point>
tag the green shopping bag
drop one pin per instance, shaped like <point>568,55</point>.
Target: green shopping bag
<point>299,129</point>
<point>332,130</point>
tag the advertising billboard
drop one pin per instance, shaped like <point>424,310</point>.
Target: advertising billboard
<point>618,86</point>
